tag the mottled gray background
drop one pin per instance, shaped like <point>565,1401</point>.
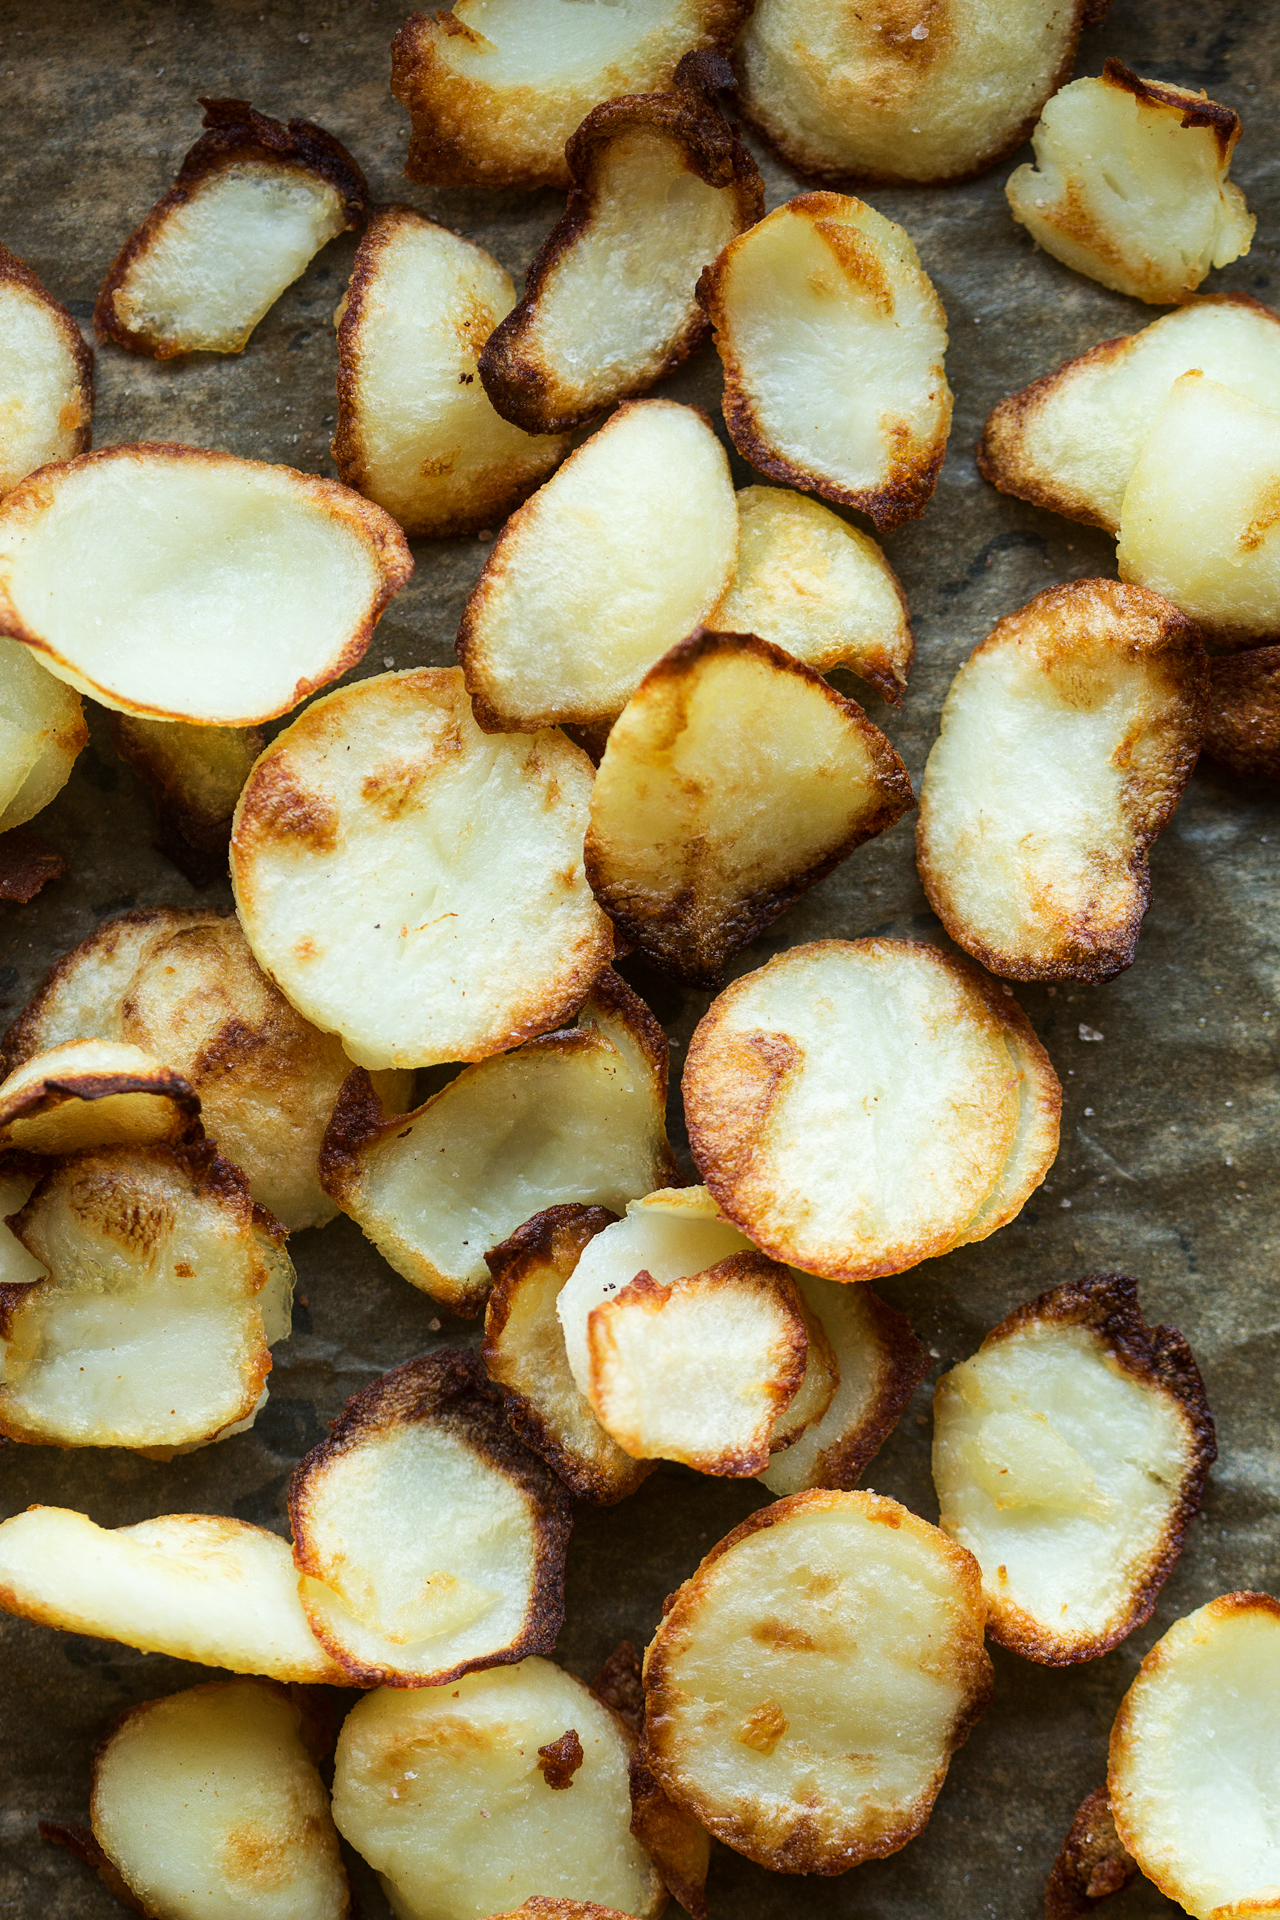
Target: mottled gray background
<point>1167,1167</point>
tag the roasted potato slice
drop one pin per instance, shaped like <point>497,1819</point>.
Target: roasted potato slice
<point>1070,1456</point>
<point>42,729</point>
<point>810,1682</point>
<point>46,390</point>
<point>802,1076</point>
<point>734,779</point>
<point>195,775</point>
<point>576,1117</point>
<point>661,183</point>
<point>833,340</point>
<point>1092,1864</point>
<point>386,798</point>
<point>495,88</point>
<point>1130,185</point>
<point>95,1093</point>
<point>1192,1772</point>
<point>1242,727</point>
<point>19,1175</point>
<point>1066,740</point>
<point>428,1540</point>
<point>253,202</point>
<point>1035,1138</point>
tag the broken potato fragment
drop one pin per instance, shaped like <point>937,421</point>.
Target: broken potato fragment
<point>42,730</point>
<point>46,388</point>
<point>1092,1865</point>
<point>1242,728</point>
<point>195,775</point>
<point>95,1093</point>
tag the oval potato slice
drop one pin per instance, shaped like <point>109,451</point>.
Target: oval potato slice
<point>1242,728</point>
<point>195,775</point>
<point>42,730</point>
<point>95,1093</point>
<point>46,389</point>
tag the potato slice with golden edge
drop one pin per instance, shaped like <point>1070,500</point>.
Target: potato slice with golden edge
<point>1092,1864</point>
<point>95,1093</point>
<point>416,885</point>
<point>1035,1138</point>
<point>428,1779</point>
<point>1192,1771</point>
<point>661,184</point>
<point>622,553</point>
<point>42,729</point>
<point>253,202</point>
<point>1242,728</point>
<point>1070,1456</point>
<point>832,340</point>
<point>195,775</point>
<point>539,1907</point>
<point>1066,740</point>
<point>1130,185</point>
<point>495,88</point>
<point>677,1844</point>
<point>576,1116</point>
<point>46,390</point>
<point>810,1682</point>
<point>734,779</point>
<point>427,1539</point>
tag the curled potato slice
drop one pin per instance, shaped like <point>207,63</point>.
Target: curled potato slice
<point>95,1093</point>
<point>195,775</point>
<point>1242,727</point>
<point>42,730</point>
<point>1092,1865</point>
<point>46,388</point>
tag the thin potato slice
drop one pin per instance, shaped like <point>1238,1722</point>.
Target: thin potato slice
<point>576,1117</point>
<point>253,202</point>
<point>95,1093</point>
<point>1066,740</point>
<point>416,885</point>
<point>661,184</point>
<point>428,1541</point>
<point>1092,1864</point>
<point>195,775</point>
<point>810,1682</point>
<point>622,553</point>
<point>495,88</point>
<point>1242,727</point>
<point>1130,185</point>
<point>833,339</point>
<point>46,390</point>
<point>20,1173</point>
<point>42,730</point>
<point>186,585</point>
<point>734,779</point>
<point>1035,1139</point>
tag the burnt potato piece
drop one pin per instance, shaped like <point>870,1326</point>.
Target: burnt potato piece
<point>46,384</point>
<point>42,731</point>
<point>194,775</point>
<point>1092,1865</point>
<point>1242,728</point>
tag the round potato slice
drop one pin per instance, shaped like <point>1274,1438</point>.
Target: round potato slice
<point>42,729</point>
<point>95,1093</point>
<point>810,1682</point>
<point>46,388</point>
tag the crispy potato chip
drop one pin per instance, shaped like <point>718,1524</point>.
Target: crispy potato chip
<point>661,184</point>
<point>495,88</point>
<point>95,1093</point>
<point>1070,441</point>
<point>1070,1456</point>
<point>386,800</point>
<point>27,863</point>
<point>577,1116</point>
<point>810,1682</point>
<point>1092,1864</point>
<point>833,339</point>
<point>195,775</point>
<point>42,729</point>
<point>1066,740</point>
<point>734,779</point>
<point>1242,727</point>
<point>253,202</point>
<point>1130,185</point>
<point>1192,1773</point>
<point>572,607</point>
<point>427,1780</point>
<point>186,585</point>
<point>427,1539</point>
<point>46,395</point>
<point>194,1585</point>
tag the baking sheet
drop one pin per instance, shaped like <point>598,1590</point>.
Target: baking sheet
<point>1167,1168</point>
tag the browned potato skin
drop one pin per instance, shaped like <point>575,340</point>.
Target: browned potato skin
<point>27,863</point>
<point>678,1846</point>
<point>1092,1865</point>
<point>906,1362</point>
<point>11,268</point>
<point>1242,728</point>
<point>189,835</point>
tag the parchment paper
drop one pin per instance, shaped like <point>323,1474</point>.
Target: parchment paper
<point>1167,1167</point>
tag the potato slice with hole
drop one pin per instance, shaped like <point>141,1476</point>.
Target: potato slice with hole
<point>195,775</point>
<point>810,1682</point>
<point>187,585</point>
<point>42,729</point>
<point>495,88</point>
<point>197,1586</point>
<point>209,1805</point>
<point>1192,1772</point>
<point>1092,1864</point>
<point>46,392</point>
<point>416,885</point>
<point>1242,727</point>
<point>573,605</point>
<point>576,1117</point>
<point>1130,185</point>
<point>253,202</point>
<point>833,339</point>
<point>428,1541</point>
<point>1070,1456</point>
<point>733,780</point>
<point>661,184</point>
<point>95,1093</point>
<point>1066,740</point>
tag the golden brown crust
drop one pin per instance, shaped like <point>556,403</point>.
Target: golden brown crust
<point>27,863</point>
<point>560,1759</point>
<point>43,1095</point>
<point>904,1362</point>
<point>1198,110</point>
<point>1093,1863</point>
<point>19,273</point>
<point>678,1845</point>
<point>1242,727</point>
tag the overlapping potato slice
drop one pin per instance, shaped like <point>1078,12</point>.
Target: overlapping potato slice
<point>856,1105</point>
<point>416,885</point>
<point>1066,740</point>
<point>46,387</point>
<point>1192,1770</point>
<point>575,1117</point>
<point>734,779</point>
<point>810,1682</point>
<point>1070,1455</point>
<point>1242,726</point>
<point>42,729</point>
<point>495,88</point>
<point>1130,185</point>
<point>94,1093</point>
<point>661,184</point>
<point>253,202</point>
<point>186,585</point>
<point>832,339</point>
<point>428,1540</point>
<point>1070,441</point>
<point>1201,528</point>
<point>195,775</point>
<point>483,1772</point>
<point>1092,1865</point>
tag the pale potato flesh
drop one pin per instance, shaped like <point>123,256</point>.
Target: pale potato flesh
<point>42,729</point>
<point>44,406</point>
<point>91,1093</point>
<point>18,1268</point>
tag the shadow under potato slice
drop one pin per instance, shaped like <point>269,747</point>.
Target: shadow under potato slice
<point>195,775</point>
